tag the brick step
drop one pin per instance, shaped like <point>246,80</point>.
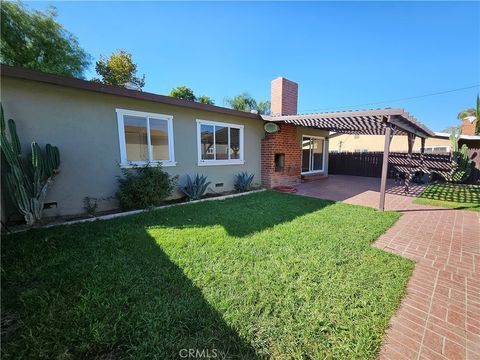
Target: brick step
<point>313,177</point>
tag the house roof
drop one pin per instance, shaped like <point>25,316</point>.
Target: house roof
<point>368,122</point>
<point>462,137</point>
<point>54,79</point>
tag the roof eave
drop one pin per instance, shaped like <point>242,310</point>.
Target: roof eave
<point>59,80</point>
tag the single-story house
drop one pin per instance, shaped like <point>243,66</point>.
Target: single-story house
<point>99,128</point>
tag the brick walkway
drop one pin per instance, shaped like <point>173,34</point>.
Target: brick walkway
<point>439,318</point>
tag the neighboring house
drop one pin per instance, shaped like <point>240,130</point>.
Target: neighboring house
<point>99,128</point>
<point>472,141</point>
<point>373,143</point>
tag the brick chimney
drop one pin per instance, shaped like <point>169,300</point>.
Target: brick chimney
<point>468,125</point>
<point>284,97</point>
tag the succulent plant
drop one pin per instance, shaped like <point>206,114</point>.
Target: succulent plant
<point>243,181</point>
<point>27,179</point>
<point>196,187</point>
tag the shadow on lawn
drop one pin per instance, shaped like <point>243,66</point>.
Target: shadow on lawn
<point>459,193</point>
<point>110,288</point>
<point>241,217</point>
<point>116,297</point>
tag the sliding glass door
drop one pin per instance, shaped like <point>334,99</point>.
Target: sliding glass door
<point>312,154</point>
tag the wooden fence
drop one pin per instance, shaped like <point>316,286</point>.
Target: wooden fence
<point>370,163</point>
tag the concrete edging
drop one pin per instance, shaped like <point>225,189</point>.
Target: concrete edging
<point>134,212</point>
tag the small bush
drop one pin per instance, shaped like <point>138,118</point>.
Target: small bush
<point>194,189</point>
<point>144,186</point>
<point>243,181</point>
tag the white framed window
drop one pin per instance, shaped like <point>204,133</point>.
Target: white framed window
<point>219,143</point>
<point>145,138</point>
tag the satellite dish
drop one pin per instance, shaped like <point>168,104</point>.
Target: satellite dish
<point>271,127</point>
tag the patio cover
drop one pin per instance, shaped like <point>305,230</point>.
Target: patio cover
<point>368,122</point>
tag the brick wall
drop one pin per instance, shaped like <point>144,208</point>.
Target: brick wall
<point>283,97</point>
<point>285,141</point>
<point>468,128</point>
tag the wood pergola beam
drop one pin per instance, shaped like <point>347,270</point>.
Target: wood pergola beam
<point>402,124</point>
<point>337,114</point>
<point>389,132</point>
<point>369,121</point>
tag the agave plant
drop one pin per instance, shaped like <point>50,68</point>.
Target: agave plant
<point>27,179</point>
<point>243,181</point>
<point>196,187</point>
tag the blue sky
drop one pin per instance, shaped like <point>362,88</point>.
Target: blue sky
<point>340,53</point>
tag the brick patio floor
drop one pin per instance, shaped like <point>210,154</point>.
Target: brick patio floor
<point>439,317</point>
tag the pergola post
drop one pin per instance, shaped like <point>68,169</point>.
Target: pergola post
<point>411,141</point>
<point>389,131</point>
<point>422,151</point>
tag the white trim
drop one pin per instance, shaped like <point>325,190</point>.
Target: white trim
<point>149,141</point>
<point>121,138</point>
<point>202,162</point>
<point>131,164</point>
<point>208,122</point>
<point>323,155</point>
<point>314,136</point>
<point>312,172</point>
<point>220,162</point>
<point>144,114</point>
<point>435,147</point>
<point>122,143</point>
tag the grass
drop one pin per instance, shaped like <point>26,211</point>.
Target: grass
<point>456,196</point>
<point>267,275</point>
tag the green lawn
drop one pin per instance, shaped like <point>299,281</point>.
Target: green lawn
<point>454,196</point>
<point>267,275</point>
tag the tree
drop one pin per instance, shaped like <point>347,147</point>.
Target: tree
<point>450,129</point>
<point>119,69</point>
<point>263,107</point>
<point>467,112</point>
<point>244,102</point>
<point>183,92</point>
<point>204,99</point>
<point>35,40</point>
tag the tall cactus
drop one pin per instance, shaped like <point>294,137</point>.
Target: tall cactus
<point>27,181</point>
<point>454,137</point>
<point>463,166</point>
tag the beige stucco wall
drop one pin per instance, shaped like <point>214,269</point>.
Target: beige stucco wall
<point>83,125</point>
<point>376,143</point>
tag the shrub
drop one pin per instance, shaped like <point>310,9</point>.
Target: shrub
<point>194,189</point>
<point>144,186</point>
<point>243,181</point>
